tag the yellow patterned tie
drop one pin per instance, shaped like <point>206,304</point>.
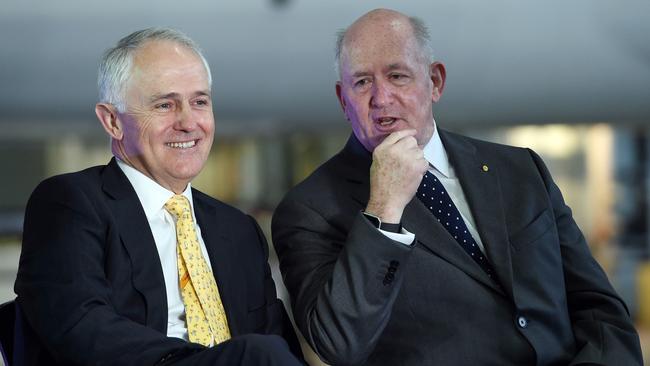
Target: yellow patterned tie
<point>204,312</point>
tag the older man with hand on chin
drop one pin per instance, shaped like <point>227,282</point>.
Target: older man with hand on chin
<point>417,246</point>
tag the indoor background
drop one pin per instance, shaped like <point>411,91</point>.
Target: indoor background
<point>569,79</point>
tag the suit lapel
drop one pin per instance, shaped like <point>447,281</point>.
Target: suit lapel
<point>221,252</point>
<point>433,236</point>
<point>484,196</point>
<point>138,241</point>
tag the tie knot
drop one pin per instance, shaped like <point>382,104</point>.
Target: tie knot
<point>178,206</point>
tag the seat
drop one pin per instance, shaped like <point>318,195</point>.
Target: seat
<point>7,319</point>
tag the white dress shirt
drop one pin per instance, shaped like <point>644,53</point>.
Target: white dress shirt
<point>163,227</point>
<point>436,155</point>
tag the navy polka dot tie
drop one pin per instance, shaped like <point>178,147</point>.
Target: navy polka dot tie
<point>434,196</point>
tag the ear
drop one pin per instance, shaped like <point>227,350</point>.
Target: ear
<point>108,116</point>
<point>339,94</point>
<point>438,74</point>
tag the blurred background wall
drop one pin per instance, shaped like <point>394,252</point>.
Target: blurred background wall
<point>569,79</point>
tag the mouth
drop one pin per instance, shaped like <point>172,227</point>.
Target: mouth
<point>386,121</point>
<point>387,124</point>
<point>181,145</point>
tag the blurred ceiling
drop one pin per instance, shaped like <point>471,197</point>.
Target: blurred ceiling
<point>508,61</point>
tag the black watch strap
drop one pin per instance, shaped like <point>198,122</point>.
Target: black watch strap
<point>376,221</point>
<point>393,228</point>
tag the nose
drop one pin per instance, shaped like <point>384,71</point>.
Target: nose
<point>382,94</point>
<point>184,119</point>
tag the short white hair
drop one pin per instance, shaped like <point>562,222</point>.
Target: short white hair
<point>117,62</point>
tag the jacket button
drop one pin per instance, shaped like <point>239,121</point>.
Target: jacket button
<point>523,323</point>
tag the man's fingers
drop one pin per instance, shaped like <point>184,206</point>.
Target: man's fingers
<point>424,164</point>
<point>407,143</point>
<point>419,153</point>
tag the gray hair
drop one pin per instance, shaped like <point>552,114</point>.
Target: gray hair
<point>117,62</point>
<point>420,31</point>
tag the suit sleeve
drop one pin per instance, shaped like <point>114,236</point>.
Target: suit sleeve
<point>342,283</point>
<point>62,287</point>
<point>603,331</point>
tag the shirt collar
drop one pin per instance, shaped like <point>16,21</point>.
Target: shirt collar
<point>436,154</point>
<point>151,194</point>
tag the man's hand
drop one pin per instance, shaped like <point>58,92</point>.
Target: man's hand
<point>397,168</point>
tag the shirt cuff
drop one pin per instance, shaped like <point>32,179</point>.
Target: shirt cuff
<point>405,237</point>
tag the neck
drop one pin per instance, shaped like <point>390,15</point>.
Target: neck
<point>176,186</point>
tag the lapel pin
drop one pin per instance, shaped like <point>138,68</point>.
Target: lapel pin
<point>485,168</point>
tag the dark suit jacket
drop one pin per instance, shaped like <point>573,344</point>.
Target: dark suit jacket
<point>360,298</point>
<point>90,282</point>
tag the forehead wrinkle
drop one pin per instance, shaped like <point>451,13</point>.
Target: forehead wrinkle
<point>359,61</point>
<point>172,95</point>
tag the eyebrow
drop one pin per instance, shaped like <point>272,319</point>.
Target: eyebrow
<point>360,73</point>
<point>391,67</point>
<point>174,95</point>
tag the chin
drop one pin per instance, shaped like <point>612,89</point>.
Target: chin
<point>186,170</point>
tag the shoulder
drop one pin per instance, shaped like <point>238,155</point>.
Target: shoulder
<point>70,184</point>
<point>496,154</point>
<point>480,145</point>
<point>204,199</point>
<point>518,168</point>
<point>72,196</point>
<point>219,219</point>
<point>333,192</point>
<point>222,210</point>
<point>321,188</point>
<point>329,176</point>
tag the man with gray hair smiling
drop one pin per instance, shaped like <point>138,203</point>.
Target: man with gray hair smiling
<point>418,246</point>
<point>127,264</point>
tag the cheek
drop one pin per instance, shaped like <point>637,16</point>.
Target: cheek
<point>142,128</point>
<point>360,114</point>
<point>208,126</point>
<point>357,105</point>
<point>420,102</point>
<point>132,137</point>
<point>205,119</point>
<point>208,130</point>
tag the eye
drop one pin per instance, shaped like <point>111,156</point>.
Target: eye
<point>165,106</point>
<point>202,102</point>
<point>361,83</point>
<point>398,77</point>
